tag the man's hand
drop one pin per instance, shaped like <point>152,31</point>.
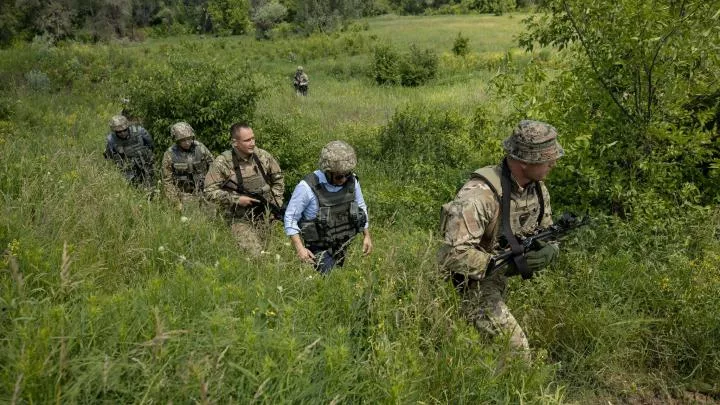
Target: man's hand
<point>367,243</point>
<point>245,201</point>
<point>541,256</point>
<point>306,256</point>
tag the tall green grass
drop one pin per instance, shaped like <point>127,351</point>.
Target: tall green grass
<point>108,297</point>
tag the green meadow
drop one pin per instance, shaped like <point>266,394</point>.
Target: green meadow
<point>109,295</point>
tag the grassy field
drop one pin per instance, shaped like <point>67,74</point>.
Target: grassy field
<point>108,297</point>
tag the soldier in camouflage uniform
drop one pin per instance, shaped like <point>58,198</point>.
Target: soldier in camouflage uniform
<point>184,167</point>
<point>301,81</point>
<point>473,223</point>
<point>238,172</point>
<point>130,147</point>
<point>327,210</point>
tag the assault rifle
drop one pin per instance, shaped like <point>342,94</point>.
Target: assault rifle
<point>258,207</point>
<point>566,223</point>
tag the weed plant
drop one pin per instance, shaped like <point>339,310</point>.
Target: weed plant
<point>109,297</point>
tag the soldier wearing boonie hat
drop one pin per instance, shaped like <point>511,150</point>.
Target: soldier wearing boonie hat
<point>506,199</point>
<point>184,166</point>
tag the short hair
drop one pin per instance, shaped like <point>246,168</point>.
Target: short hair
<point>236,127</point>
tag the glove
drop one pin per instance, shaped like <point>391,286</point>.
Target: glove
<point>541,256</point>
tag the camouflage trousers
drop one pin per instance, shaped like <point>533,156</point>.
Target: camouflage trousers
<point>250,236</point>
<point>483,305</point>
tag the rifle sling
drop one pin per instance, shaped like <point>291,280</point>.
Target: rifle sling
<point>238,173</point>
<point>518,252</point>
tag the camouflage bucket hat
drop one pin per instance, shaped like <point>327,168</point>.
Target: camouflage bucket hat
<point>337,157</point>
<point>181,130</point>
<point>119,123</point>
<point>533,142</point>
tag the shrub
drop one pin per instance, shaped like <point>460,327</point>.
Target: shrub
<point>209,97</point>
<point>418,66</point>
<point>414,68</point>
<point>37,80</point>
<point>461,46</point>
<point>386,66</point>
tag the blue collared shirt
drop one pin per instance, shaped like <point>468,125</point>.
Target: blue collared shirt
<point>304,205</point>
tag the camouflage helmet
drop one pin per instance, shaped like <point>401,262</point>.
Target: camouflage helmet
<point>300,68</point>
<point>337,157</point>
<point>181,130</point>
<point>533,142</point>
<point>119,123</point>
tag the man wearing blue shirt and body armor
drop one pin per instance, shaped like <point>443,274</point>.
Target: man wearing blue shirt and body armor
<point>327,210</point>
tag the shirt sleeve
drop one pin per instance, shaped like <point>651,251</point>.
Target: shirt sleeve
<point>299,201</point>
<point>360,200</point>
<point>464,222</point>
<point>171,192</point>
<point>220,170</point>
<point>277,180</point>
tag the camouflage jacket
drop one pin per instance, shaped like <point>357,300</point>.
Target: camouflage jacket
<point>470,224</point>
<point>301,78</point>
<point>222,170</point>
<point>183,171</point>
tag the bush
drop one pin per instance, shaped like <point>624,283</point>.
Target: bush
<point>411,69</point>
<point>37,80</point>
<point>209,97</point>
<point>418,66</point>
<point>461,46</point>
<point>386,66</point>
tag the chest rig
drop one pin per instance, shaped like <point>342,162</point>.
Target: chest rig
<point>189,168</point>
<point>517,217</point>
<point>339,217</point>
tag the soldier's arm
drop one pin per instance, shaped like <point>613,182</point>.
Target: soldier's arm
<point>207,156</point>
<point>220,170</point>
<point>277,179</point>
<point>147,139</point>
<point>109,150</point>
<point>465,223</point>
<point>171,192</point>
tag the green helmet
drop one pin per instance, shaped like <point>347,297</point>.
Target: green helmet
<point>300,68</point>
<point>337,157</point>
<point>119,123</point>
<point>533,142</point>
<point>181,130</point>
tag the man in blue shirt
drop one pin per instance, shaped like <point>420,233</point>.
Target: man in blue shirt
<point>327,210</point>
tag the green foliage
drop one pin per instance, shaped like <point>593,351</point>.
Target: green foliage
<point>418,66</point>
<point>461,45</point>
<point>207,96</point>
<point>386,65</point>
<point>266,17</point>
<point>229,17</point>
<point>414,68</point>
<point>108,297</point>
<point>37,80</point>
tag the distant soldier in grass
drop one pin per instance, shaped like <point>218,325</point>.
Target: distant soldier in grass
<point>301,81</point>
<point>184,166</point>
<point>247,183</point>
<point>327,210</point>
<point>130,147</point>
<point>496,204</point>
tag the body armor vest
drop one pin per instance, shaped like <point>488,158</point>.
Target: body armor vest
<point>525,214</point>
<point>189,168</point>
<point>254,183</point>
<point>132,147</point>
<point>339,217</point>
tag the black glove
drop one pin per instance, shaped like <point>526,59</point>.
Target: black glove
<point>541,256</point>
